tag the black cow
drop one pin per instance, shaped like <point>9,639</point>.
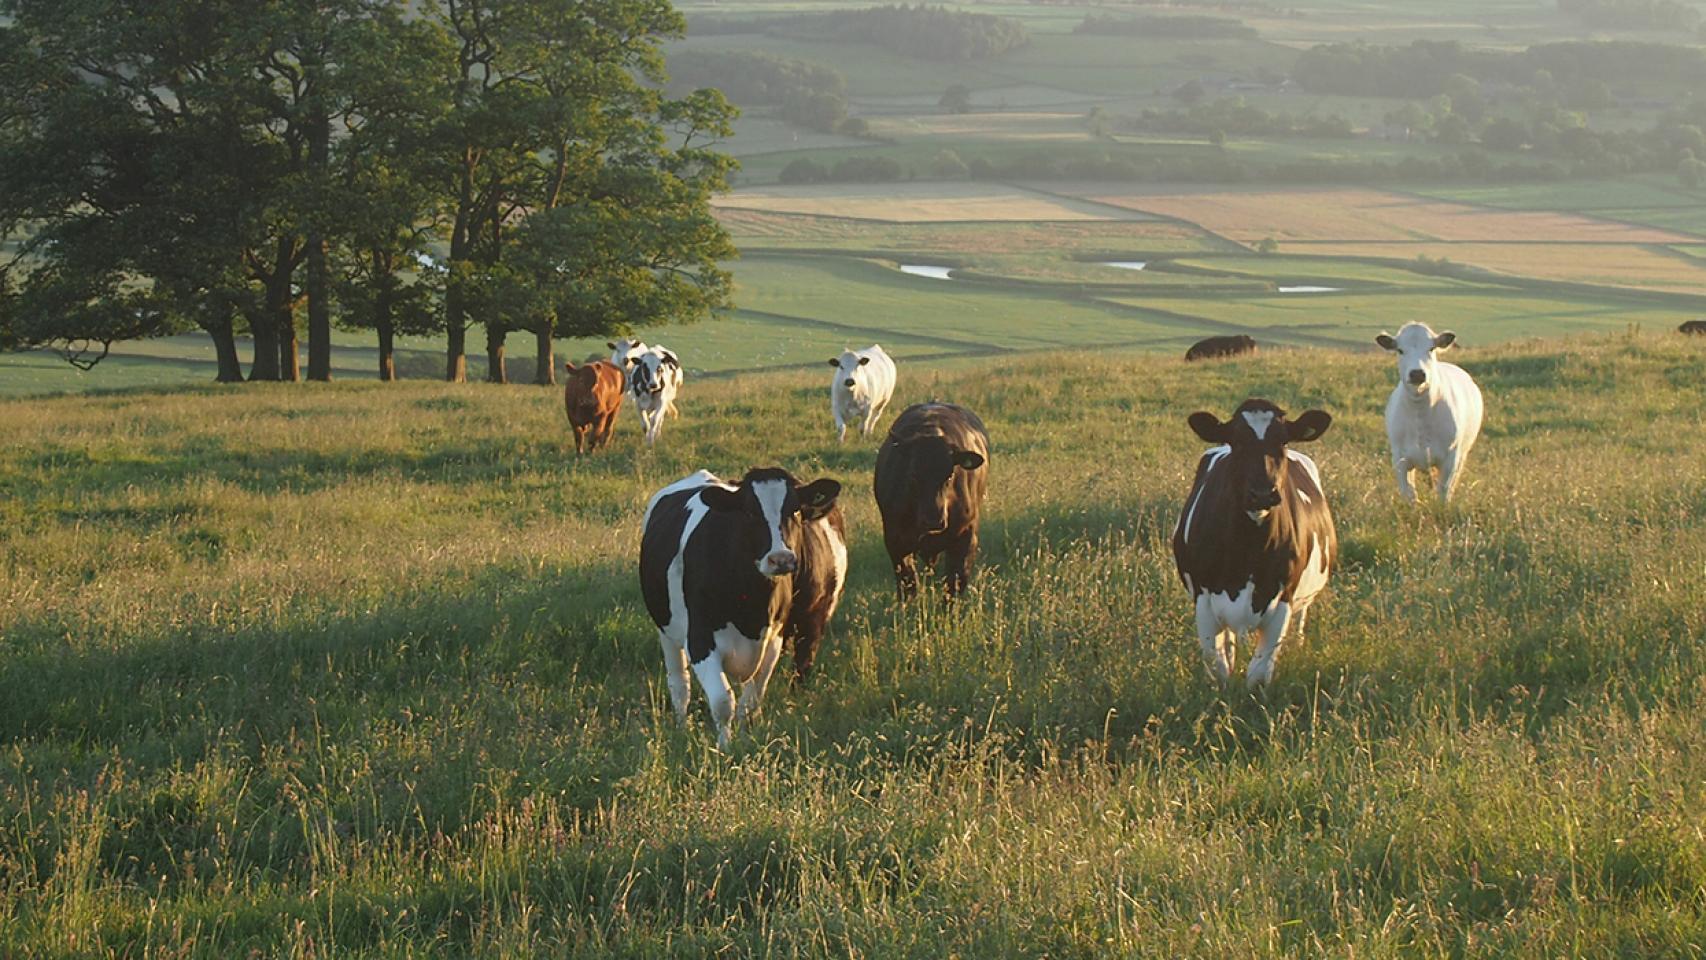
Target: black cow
<point>729,572</point>
<point>1255,542</point>
<point>1692,326</point>
<point>1228,346</point>
<point>931,473</point>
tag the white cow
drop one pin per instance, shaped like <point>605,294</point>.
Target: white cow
<point>623,352</point>
<point>1434,414</point>
<point>861,387</point>
<point>654,378</point>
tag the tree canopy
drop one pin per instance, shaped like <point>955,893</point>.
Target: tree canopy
<point>398,165</point>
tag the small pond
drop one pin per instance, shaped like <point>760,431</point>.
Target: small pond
<point>922,270</point>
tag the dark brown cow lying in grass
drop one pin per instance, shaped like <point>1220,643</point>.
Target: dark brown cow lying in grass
<point>1693,326</point>
<point>1227,346</point>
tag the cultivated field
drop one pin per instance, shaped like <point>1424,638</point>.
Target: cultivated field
<point>1373,216</point>
<point>1611,265</point>
<point>363,670</point>
<point>921,203</point>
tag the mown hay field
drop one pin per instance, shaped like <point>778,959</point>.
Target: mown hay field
<point>761,229</point>
<point>1605,264</point>
<point>362,670</point>
<point>920,202</point>
<point>1373,216</point>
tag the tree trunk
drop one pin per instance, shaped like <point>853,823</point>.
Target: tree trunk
<point>279,310</point>
<point>387,355</point>
<point>319,311</point>
<point>456,335</point>
<point>495,372</point>
<point>225,348</point>
<point>545,360</point>
<point>318,283</point>
<point>265,363</point>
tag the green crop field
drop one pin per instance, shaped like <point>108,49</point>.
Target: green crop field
<point>362,670</point>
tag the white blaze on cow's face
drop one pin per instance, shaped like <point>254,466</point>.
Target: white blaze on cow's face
<point>773,505</point>
<point>1417,348</point>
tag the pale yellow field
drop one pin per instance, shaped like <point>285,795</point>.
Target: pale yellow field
<point>919,203</point>
<point>1033,127</point>
<point>1374,215</point>
<point>1620,265</point>
<point>759,228</point>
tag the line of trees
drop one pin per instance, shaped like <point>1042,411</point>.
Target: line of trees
<point>805,94</point>
<point>1423,68</point>
<point>404,166</point>
<point>1187,25</point>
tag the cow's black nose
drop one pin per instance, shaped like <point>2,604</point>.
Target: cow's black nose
<point>1417,378</point>
<point>1264,499</point>
<point>847,382</point>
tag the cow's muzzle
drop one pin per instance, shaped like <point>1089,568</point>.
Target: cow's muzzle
<point>779,563</point>
<point>1417,378</point>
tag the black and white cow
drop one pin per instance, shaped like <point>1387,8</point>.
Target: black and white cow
<point>1255,542</point>
<point>730,571</point>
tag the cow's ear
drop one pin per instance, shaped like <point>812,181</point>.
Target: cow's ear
<point>610,343</point>
<point>569,365</point>
<point>1444,340</point>
<point>968,459</point>
<point>718,498</point>
<point>818,498</point>
<point>670,359</point>
<point>1386,341</point>
<point>1207,426</point>
<point>835,361</point>
<point>1308,427</point>
<point>864,360</point>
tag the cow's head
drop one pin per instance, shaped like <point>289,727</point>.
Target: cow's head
<point>649,371</point>
<point>928,464</point>
<point>772,505</point>
<point>848,364</point>
<point>624,353</point>
<point>1255,436</point>
<point>1416,346</point>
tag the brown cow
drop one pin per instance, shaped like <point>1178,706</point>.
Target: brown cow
<point>930,478</point>
<point>1692,326</point>
<point>592,394</point>
<point>1255,542</point>
<point>1228,346</point>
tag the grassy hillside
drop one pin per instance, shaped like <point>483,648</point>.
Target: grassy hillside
<point>363,670</point>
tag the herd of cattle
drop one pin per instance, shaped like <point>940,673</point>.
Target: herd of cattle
<point>731,572</point>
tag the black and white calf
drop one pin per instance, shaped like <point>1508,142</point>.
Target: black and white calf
<point>1255,542</point>
<point>730,571</point>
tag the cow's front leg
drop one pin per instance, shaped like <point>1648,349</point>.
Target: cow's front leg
<point>1272,631</point>
<point>840,428</point>
<point>675,672</point>
<point>872,417</point>
<point>752,692</point>
<point>961,553</point>
<point>717,694</point>
<point>1219,645</point>
<point>905,572</point>
<point>805,640</point>
<point>1401,466</point>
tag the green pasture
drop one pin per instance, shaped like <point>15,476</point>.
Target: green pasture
<point>1631,193</point>
<point>1479,316</point>
<point>362,670</point>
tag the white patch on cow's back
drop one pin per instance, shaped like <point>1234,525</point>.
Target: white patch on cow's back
<point>1259,421</point>
<point>1213,455</point>
<point>771,494</point>
<point>1308,465</point>
<point>1314,577</point>
<point>703,478</point>
<point>838,556</point>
